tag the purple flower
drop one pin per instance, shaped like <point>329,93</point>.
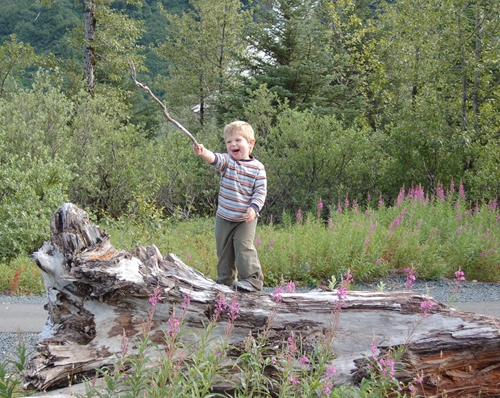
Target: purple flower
<point>173,327</point>
<point>257,242</point>
<point>320,205</point>
<point>156,296</point>
<point>440,193</point>
<point>346,202</point>
<point>461,191</point>
<point>459,275</point>
<point>410,277</point>
<point>426,306</point>
<point>401,197</point>
<point>380,201</point>
<point>339,208</point>
<point>299,215</point>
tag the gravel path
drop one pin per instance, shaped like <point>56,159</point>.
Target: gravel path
<point>439,290</point>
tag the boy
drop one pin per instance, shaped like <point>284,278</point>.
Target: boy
<point>242,193</point>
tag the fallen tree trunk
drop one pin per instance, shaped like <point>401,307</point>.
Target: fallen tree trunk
<point>97,293</point>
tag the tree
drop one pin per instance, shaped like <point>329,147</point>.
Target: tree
<point>15,58</point>
<point>439,89</point>
<point>287,53</point>
<point>202,46</point>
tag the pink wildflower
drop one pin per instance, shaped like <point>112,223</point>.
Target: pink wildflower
<point>258,242</point>
<point>380,201</point>
<point>426,306</point>
<point>320,205</point>
<point>461,191</point>
<point>339,208</point>
<point>440,193</point>
<point>401,197</point>
<point>299,215</point>
<point>410,277</point>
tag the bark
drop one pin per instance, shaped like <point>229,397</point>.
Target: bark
<point>97,293</point>
<point>89,59</point>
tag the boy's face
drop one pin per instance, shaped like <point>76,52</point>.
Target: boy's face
<point>238,147</point>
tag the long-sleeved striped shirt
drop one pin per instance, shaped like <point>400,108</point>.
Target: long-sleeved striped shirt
<point>243,184</point>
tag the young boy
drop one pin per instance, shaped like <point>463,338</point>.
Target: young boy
<point>242,193</point>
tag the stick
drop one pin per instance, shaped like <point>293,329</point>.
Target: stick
<point>162,105</point>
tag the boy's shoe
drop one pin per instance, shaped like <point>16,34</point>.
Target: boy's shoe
<point>244,286</point>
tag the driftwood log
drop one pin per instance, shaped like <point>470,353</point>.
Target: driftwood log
<point>96,293</point>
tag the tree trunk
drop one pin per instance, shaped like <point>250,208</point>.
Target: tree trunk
<point>97,293</point>
<point>89,47</point>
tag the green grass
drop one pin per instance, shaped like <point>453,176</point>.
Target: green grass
<point>435,236</point>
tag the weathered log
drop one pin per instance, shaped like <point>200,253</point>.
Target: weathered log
<point>96,293</point>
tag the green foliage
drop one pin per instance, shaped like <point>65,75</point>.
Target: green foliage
<point>33,177</point>
<point>308,157</point>
<point>10,373</point>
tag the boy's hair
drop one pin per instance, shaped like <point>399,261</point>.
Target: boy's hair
<point>239,127</point>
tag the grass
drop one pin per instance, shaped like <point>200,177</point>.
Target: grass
<point>434,237</point>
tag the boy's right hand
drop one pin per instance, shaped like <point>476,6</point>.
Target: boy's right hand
<point>199,149</point>
<point>207,155</point>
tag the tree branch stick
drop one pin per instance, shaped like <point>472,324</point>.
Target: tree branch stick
<point>162,105</point>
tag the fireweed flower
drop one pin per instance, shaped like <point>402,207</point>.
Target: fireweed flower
<point>290,287</point>
<point>257,242</point>
<point>234,309</point>
<point>299,215</point>
<point>339,208</point>
<point>156,296</point>
<point>426,306</point>
<point>380,201</point>
<point>220,305</point>
<point>346,202</point>
<point>401,197</point>
<point>186,303</point>
<point>440,194</point>
<point>387,366</point>
<point>461,191</point>
<point>459,230</point>
<point>320,205</point>
<point>124,345</point>
<point>277,294</point>
<point>173,327</point>
<point>410,277</point>
<point>271,243</point>
<point>459,275</point>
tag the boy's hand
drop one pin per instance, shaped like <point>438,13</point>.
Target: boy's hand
<point>250,215</point>
<point>199,149</point>
<point>207,155</point>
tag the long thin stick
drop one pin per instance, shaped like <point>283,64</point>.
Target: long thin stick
<point>162,105</point>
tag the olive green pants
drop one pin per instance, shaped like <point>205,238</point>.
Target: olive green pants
<point>236,253</point>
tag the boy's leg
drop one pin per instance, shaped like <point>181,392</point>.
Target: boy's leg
<point>247,260</point>
<point>226,269</point>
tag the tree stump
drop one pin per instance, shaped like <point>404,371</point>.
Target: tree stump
<point>97,293</point>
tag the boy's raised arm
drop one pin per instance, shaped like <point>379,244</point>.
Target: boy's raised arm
<point>207,155</point>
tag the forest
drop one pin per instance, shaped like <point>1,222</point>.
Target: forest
<point>349,99</point>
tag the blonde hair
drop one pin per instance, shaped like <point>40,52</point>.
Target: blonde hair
<point>239,127</point>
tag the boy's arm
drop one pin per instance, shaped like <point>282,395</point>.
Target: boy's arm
<point>207,155</point>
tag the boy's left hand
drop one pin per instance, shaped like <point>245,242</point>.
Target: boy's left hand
<point>250,215</point>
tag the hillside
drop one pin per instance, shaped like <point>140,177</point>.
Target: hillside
<point>47,28</point>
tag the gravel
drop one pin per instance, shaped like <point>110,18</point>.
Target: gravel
<point>439,290</point>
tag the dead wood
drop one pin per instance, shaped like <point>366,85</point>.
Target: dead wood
<point>96,293</point>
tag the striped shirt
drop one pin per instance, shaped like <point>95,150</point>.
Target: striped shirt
<point>243,184</point>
